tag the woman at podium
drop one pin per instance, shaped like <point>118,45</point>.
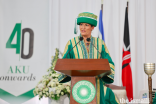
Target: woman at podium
<point>89,47</point>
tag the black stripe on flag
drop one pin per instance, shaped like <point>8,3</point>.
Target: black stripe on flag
<point>126,31</point>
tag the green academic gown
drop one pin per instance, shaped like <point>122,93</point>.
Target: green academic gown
<point>104,94</point>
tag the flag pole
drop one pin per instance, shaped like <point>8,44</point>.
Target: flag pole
<point>127,5</point>
<point>102,6</point>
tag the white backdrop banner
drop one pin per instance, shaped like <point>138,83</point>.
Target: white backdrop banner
<point>24,47</point>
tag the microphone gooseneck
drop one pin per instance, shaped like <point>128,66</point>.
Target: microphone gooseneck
<point>80,39</point>
<point>88,39</point>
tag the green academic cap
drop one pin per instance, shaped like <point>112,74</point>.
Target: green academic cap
<point>85,17</point>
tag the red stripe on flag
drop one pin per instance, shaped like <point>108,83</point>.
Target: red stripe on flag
<point>127,81</point>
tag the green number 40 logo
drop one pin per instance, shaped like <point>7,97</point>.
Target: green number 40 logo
<point>17,46</point>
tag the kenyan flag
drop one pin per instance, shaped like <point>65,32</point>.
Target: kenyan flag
<point>126,60</point>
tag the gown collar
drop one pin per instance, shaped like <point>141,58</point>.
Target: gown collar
<point>87,55</point>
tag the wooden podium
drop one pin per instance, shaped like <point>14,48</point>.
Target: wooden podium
<point>82,69</point>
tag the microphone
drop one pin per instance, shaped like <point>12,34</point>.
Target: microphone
<point>80,39</point>
<point>88,39</point>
